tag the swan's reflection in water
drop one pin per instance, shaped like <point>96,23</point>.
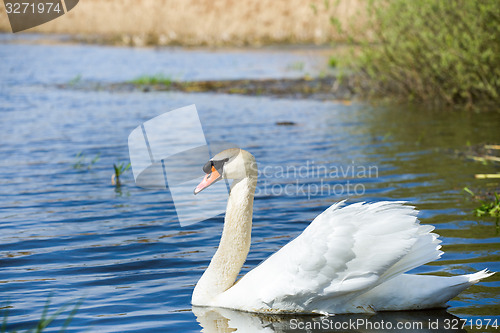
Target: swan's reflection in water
<point>217,320</point>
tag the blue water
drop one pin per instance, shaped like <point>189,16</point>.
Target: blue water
<point>68,235</point>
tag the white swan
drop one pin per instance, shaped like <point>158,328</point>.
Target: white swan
<point>350,259</point>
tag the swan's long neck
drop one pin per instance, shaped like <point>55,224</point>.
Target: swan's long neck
<point>234,244</point>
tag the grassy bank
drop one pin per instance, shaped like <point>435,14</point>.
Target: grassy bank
<point>425,51</point>
<point>322,88</point>
<point>201,22</point>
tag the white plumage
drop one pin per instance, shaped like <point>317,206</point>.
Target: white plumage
<point>350,259</point>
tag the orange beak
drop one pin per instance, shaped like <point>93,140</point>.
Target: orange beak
<point>209,179</point>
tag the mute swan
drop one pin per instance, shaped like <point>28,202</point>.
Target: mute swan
<point>350,259</point>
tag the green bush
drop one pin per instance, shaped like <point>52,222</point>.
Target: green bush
<point>434,51</point>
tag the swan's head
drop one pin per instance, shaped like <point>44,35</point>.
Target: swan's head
<point>231,163</point>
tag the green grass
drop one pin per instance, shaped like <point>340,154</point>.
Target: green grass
<point>81,161</point>
<point>119,170</point>
<point>443,53</point>
<point>74,81</point>
<point>158,79</point>
<point>333,61</point>
<point>489,208</point>
<point>45,319</point>
<point>486,207</point>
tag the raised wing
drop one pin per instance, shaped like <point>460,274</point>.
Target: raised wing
<point>343,253</point>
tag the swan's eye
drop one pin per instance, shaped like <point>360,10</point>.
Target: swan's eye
<point>207,168</point>
<point>220,164</point>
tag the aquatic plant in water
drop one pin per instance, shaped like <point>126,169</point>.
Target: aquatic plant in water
<point>46,320</point>
<point>119,170</point>
<point>81,161</point>
<point>487,208</point>
<point>158,79</point>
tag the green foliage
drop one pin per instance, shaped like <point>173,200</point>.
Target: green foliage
<point>440,52</point>
<point>158,79</point>
<point>333,62</point>
<point>487,208</point>
<point>46,320</point>
<point>119,170</point>
<point>81,161</point>
<point>491,208</point>
<point>466,189</point>
<point>74,81</point>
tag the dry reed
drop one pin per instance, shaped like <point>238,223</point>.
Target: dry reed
<point>207,22</point>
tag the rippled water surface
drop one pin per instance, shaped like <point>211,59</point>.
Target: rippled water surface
<point>68,235</point>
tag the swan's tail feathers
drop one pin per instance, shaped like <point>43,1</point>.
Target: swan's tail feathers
<point>478,276</point>
<point>413,292</point>
<point>426,249</point>
<point>457,284</point>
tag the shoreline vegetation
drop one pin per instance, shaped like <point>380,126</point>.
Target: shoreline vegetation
<point>323,88</point>
<point>441,54</point>
<point>436,53</point>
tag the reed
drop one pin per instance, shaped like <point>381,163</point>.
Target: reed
<point>46,319</point>
<point>202,22</point>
